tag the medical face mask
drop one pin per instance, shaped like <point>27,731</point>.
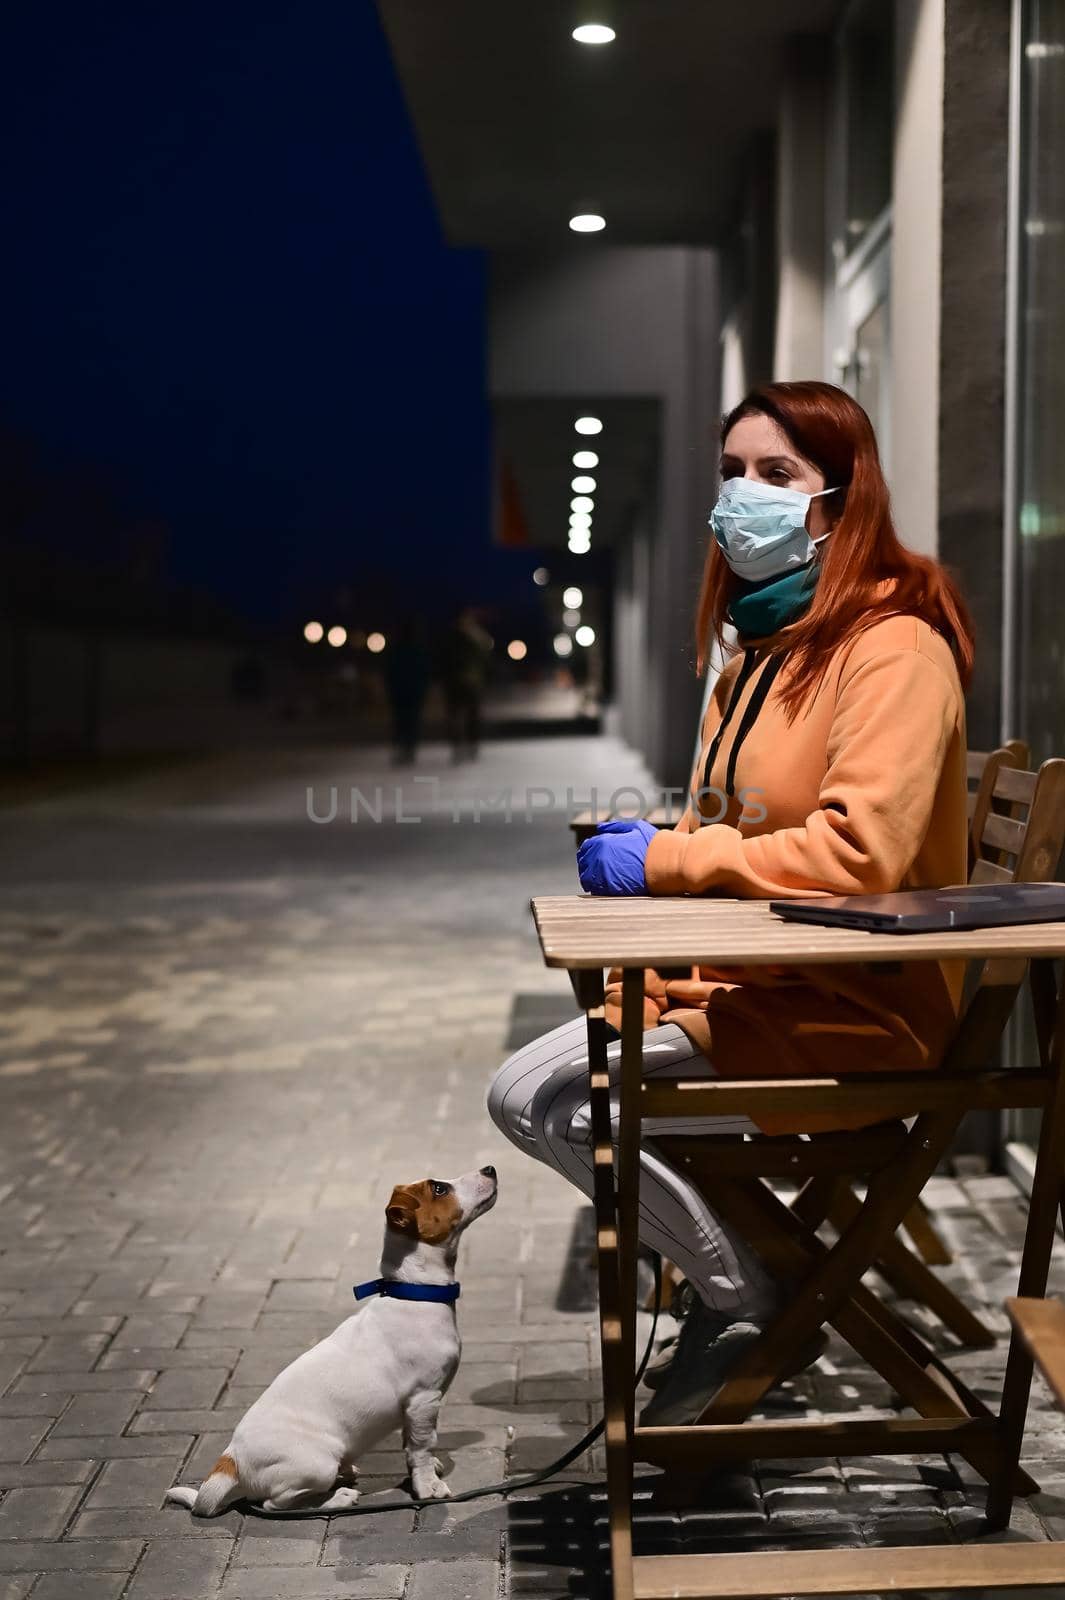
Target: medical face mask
<point>761,529</point>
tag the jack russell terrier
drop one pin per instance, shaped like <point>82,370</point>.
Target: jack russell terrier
<point>386,1367</point>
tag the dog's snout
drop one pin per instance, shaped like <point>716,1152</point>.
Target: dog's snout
<point>488,1172</point>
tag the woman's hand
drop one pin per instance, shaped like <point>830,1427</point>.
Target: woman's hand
<point>611,861</point>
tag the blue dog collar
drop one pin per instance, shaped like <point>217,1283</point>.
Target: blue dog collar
<point>446,1293</point>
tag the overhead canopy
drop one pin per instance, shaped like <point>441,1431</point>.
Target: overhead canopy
<point>521,127</point>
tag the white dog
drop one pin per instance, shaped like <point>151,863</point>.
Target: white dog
<point>386,1367</point>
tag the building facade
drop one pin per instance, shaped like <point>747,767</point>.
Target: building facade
<point>866,191</point>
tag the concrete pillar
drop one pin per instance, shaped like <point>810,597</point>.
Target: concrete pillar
<point>973,332</point>
<point>800,213</point>
<point>915,270</point>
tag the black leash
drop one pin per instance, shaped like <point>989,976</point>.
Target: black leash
<point>528,1480</point>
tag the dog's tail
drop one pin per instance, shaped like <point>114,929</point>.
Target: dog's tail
<point>217,1491</point>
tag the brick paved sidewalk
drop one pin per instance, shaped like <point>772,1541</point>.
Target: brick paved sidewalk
<point>225,1035</point>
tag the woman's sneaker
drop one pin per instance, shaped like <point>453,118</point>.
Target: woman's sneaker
<point>707,1348</point>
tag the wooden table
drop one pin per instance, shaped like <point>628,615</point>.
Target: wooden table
<point>586,934</point>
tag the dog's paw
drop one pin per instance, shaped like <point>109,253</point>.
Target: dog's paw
<point>433,1488</point>
<point>342,1499</point>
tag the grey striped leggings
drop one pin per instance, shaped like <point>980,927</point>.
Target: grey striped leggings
<point>539,1099</point>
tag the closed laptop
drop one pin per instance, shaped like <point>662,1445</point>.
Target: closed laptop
<point>984,905</point>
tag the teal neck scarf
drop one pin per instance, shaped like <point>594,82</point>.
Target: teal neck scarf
<point>758,609</point>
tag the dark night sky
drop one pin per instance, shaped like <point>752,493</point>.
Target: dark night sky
<point>226,285</point>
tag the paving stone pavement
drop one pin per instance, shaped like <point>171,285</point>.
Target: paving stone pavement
<point>226,1032</point>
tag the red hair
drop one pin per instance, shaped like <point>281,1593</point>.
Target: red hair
<point>830,429</point>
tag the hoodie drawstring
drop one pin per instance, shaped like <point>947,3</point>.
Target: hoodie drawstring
<point>757,700</point>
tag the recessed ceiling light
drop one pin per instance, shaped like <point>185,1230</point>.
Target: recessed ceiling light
<point>588,425</point>
<point>594,33</point>
<point>585,459</point>
<point>587,222</point>
<point>583,484</point>
<point>582,502</point>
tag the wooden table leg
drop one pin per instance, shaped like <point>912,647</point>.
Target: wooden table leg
<point>1035,1266</point>
<point>614,1316</point>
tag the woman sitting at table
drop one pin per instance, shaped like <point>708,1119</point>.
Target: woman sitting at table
<point>832,762</point>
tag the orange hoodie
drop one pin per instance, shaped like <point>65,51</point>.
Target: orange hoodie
<point>864,793</point>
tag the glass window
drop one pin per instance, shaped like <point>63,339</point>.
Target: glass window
<point>1039,510</point>
<point>1040,664</point>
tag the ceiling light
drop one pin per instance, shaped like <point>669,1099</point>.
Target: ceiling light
<point>594,33</point>
<point>583,485</point>
<point>582,502</point>
<point>587,222</point>
<point>585,635</point>
<point>573,596</point>
<point>588,425</point>
<point>586,460</point>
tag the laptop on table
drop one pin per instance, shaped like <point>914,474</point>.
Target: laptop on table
<point>985,905</point>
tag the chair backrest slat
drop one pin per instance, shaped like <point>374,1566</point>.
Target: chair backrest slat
<point>1004,833</point>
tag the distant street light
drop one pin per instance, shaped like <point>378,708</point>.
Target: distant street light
<point>586,460</point>
<point>517,650</point>
<point>594,33</point>
<point>587,222</point>
<point>375,642</point>
<point>563,644</point>
<point>337,636</point>
<point>585,635</point>
<point>588,425</point>
<point>314,633</point>
<point>583,485</point>
<point>581,502</point>
<point>571,616</point>
<point>541,576</point>
<point>573,596</point>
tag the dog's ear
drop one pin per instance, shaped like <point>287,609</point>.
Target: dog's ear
<point>399,1212</point>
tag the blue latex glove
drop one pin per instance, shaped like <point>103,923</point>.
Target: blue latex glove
<point>612,860</point>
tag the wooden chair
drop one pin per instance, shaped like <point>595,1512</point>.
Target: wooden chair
<point>999,810</point>
<point>1011,753</point>
<point>895,1161</point>
<point>1041,1324</point>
